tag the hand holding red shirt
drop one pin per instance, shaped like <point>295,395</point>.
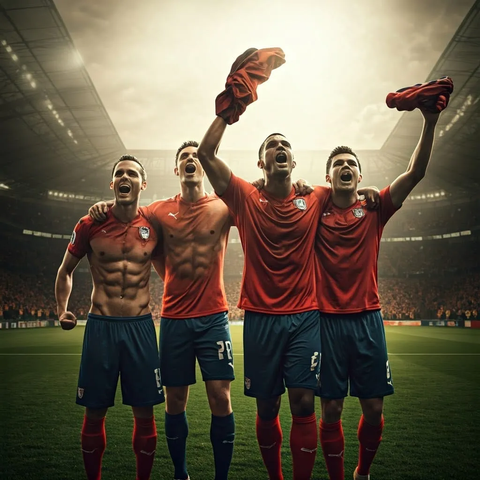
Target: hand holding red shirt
<point>248,71</point>
<point>431,96</point>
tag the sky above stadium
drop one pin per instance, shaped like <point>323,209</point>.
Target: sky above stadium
<point>159,64</point>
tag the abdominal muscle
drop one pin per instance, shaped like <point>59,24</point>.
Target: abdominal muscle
<point>120,288</point>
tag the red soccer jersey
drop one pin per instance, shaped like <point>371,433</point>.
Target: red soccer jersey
<point>112,236</point>
<point>195,239</point>
<point>348,241</point>
<point>278,239</point>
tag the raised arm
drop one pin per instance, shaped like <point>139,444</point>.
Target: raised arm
<point>406,182</point>
<point>63,289</point>
<point>218,172</point>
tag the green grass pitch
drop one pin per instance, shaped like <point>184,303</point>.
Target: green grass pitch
<point>432,423</point>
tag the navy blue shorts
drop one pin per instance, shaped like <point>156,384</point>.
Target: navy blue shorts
<point>279,351</point>
<point>354,352</point>
<point>125,346</point>
<point>206,339</point>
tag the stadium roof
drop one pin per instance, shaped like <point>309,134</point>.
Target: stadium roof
<point>57,135</point>
<point>53,126</point>
<point>456,165</point>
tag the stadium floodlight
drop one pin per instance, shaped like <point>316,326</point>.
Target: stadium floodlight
<point>5,187</point>
<point>33,84</point>
<point>14,57</point>
<point>8,48</point>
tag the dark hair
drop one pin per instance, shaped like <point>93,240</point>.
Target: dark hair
<point>337,151</point>
<point>188,143</point>
<point>133,159</point>
<point>262,146</point>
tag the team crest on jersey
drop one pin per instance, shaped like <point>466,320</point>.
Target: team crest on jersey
<point>80,392</point>
<point>300,203</point>
<point>73,237</point>
<point>248,383</point>
<point>144,232</point>
<point>358,212</point>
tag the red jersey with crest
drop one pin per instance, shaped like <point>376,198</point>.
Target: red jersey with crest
<point>278,239</point>
<point>195,237</point>
<point>112,235</point>
<point>348,242</point>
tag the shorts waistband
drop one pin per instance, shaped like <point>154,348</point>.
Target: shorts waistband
<point>139,318</point>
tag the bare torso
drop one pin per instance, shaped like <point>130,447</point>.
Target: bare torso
<point>120,264</point>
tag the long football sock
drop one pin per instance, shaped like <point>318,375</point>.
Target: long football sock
<point>144,442</point>
<point>176,431</point>
<point>303,444</point>
<point>269,436</point>
<point>333,446</point>
<point>94,442</point>
<point>369,437</point>
<point>222,436</point>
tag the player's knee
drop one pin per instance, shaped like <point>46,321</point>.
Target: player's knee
<point>302,402</point>
<point>372,409</point>
<point>332,410</point>
<point>219,401</point>
<point>268,409</point>
<point>176,400</point>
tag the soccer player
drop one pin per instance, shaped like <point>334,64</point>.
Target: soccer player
<point>120,335</point>
<point>353,338</point>
<point>281,328</point>
<point>282,345</point>
<point>194,227</point>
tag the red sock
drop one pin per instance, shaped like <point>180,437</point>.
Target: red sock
<point>369,437</point>
<point>144,443</point>
<point>94,442</point>
<point>303,444</point>
<point>269,437</point>
<point>333,446</point>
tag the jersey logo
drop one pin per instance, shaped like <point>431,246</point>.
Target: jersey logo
<point>358,212</point>
<point>144,232</point>
<point>263,200</point>
<point>174,215</point>
<point>300,203</point>
<point>72,240</point>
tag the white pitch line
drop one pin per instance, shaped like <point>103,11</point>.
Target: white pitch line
<point>241,354</point>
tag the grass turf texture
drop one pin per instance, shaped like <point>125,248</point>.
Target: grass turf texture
<point>432,423</point>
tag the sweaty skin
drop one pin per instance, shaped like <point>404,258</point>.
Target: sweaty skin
<point>119,252</point>
<point>190,252</point>
<point>121,274</point>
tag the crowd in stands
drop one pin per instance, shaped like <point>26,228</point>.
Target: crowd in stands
<point>417,279</point>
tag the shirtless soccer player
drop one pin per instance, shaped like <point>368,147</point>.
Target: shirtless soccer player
<point>353,337</point>
<point>194,226</point>
<point>120,334</point>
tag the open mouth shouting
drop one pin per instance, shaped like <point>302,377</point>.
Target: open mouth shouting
<point>281,157</point>
<point>190,168</point>
<point>124,189</point>
<point>346,176</point>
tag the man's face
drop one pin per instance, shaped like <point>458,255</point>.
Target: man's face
<point>127,182</point>
<point>277,156</point>
<point>344,174</point>
<point>188,168</point>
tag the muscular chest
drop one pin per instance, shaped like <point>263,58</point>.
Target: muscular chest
<point>131,243</point>
<point>195,224</point>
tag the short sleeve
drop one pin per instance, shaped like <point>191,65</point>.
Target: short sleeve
<point>79,244</point>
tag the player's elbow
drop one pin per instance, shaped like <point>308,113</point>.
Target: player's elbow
<point>415,176</point>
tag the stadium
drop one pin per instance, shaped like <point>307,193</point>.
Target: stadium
<point>58,143</point>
